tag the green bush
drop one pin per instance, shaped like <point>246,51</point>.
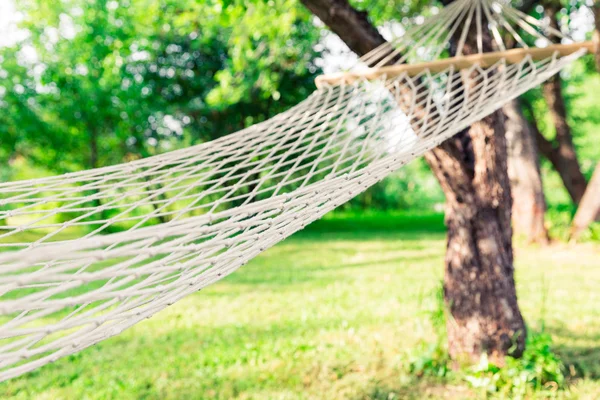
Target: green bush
<point>591,234</point>
<point>430,360</point>
<point>539,369</point>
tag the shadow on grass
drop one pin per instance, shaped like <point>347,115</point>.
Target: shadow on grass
<point>584,358</point>
<point>272,277</point>
<point>380,221</point>
<point>227,360</point>
<point>413,389</point>
<point>304,258</point>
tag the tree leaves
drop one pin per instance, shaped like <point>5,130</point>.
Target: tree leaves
<point>136,76</point>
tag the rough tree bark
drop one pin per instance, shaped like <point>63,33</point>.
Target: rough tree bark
<point>529,203</point>
<point>589,207</point>
<point>561,152</point>
<point>479,287</point>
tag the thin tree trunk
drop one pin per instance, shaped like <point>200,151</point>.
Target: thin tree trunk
<point>471,168</point>
<point>97,202</point>
<point>529,204</point>
<point>596,10</point>
<point>161,218</point>
<point>589,207</point>
<point>93,148</point>
<point>93,160</point>
<point>563,155</point>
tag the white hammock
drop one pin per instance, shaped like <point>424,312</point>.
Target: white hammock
<point>188,218</point>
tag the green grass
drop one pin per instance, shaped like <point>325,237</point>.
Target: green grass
<point>332,313</point>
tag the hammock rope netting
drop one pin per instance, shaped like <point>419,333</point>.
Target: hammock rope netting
<point>87,254</point>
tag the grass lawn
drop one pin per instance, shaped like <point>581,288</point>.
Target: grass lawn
<point>335,312</point>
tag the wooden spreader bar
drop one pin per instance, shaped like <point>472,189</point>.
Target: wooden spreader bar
<point>512,56</point>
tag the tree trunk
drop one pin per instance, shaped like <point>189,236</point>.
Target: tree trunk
<point>93,160</point>
<point>562,153</point>
<point>93,148</point>
<point>564,156</point>
<point>596,10</point>
<point>161,218</point>
<point>479,287</point>
<point>93,163</point>
<point>529,204</point>
<point>589,208</point>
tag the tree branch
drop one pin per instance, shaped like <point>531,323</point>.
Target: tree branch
<point>351,25</point>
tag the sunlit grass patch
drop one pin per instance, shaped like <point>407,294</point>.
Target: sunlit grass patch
<point>334,312</point>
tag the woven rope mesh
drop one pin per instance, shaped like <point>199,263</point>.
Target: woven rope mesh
<point>88,254</point>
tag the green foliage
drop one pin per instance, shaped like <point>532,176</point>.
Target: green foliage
<point>539,369</point>
<point>115,80</point>
<point>591,234</point>
<point>101,82</point>
<point>580,84</point>
<point>375,221</point>
<point>110,81</point>
<point>430,360</point>
<point>559,220</point>
<point>413,187</point>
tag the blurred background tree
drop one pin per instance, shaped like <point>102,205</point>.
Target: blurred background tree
<point>96,83</point>
<point>101,82</point>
